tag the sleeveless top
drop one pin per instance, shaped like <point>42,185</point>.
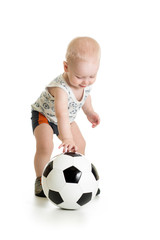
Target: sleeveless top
<point>45,103</point>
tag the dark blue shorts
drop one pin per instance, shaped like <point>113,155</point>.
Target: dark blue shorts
<point>38,118</point>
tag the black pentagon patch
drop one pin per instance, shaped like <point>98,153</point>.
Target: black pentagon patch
<point>48,169</point>
<point>94,171</point>
<point>85,198</point>
<point>72,175</point>
<point>72,154</point>
<point>55,197</point>
<point>98,192</point>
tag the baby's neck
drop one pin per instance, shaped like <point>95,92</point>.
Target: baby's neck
<point>66,78</point>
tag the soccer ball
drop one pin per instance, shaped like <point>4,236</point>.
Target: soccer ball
<point>70,181</point>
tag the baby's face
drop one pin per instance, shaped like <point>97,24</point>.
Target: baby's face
<point>82,73</point>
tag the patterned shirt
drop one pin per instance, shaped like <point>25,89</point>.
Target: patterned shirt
<point>45,103</point>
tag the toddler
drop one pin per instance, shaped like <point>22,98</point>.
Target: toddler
<point>55,110</point>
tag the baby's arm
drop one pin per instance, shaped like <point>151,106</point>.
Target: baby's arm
<point>62,115</point>
<point>92,116</point>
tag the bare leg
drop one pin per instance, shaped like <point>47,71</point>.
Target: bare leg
<point>44,147</point>
<point>78,138</point>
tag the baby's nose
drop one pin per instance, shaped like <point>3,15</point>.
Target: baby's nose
<point>85,82</point>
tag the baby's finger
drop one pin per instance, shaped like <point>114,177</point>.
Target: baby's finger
<point>98,120</point>
<point>74,148</point>
<point>64,148</point>
<point>69,148</point>
<point>61,145</point>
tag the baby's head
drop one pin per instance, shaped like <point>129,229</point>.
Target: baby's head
<point>82,61</point>
<point>83,49</point>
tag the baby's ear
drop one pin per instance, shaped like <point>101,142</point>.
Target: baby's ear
<point>65,65</point>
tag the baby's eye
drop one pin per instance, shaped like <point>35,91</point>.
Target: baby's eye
<point>78,77</point>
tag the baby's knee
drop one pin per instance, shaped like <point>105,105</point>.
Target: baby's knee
<point>45,148</point>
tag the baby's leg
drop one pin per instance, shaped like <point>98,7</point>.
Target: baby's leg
<point>44,147</point>
<point>78,138</point>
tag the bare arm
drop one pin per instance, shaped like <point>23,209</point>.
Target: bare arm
<point>87,107</point>
<point>61,110</point>
<point>92,116</point>
<point>62,115</point>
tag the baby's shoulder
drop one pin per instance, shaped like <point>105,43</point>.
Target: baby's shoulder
<point>57,92</point>
<point>58,81</point>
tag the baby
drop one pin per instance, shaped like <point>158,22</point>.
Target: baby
<point>55,110</point>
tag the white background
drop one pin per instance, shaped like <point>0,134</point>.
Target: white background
<point>124,147</point>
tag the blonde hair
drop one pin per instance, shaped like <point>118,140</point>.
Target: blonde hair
<point>81,48</point>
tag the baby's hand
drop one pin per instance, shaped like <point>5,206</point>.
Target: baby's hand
<point>94,119</point>
<point>68,145</point>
